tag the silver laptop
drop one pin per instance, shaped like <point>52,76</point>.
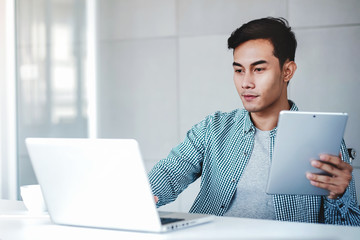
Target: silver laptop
<point>100,183</point>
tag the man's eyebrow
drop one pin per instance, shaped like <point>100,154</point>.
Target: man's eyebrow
<point>237,64</point>
<point>252,64</point>
<point>258,62</point>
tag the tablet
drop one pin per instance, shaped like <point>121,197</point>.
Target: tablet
<point>301,137</point>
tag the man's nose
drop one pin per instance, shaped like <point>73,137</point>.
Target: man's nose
<point>248,81</point>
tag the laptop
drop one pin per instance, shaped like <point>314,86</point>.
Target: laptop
<point>100,183</point>
<point>301,137</point>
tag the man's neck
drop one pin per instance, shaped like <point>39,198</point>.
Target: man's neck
<point>268,120</point>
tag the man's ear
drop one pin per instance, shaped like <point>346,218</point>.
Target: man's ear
<point>289,69</point>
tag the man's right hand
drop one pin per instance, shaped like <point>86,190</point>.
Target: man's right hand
<point>156,199</point>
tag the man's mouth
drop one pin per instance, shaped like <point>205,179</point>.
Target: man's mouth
<point>249,97</point>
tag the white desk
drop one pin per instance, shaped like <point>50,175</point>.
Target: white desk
<point>17,224</point>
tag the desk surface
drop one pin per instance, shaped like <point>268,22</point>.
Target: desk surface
<point>17,223</point>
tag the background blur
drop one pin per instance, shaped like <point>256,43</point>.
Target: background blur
<point>150,69</point>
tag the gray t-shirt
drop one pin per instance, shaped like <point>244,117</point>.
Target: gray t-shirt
<point>250,199</point>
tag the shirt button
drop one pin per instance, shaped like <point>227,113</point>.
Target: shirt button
<point>233,181</point>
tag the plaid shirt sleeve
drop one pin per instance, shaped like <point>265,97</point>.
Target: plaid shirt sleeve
<point>170,176</point>
<point>344,210</point>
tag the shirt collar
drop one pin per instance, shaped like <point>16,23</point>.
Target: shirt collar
<point>249,126</point>
<point>293,106</point>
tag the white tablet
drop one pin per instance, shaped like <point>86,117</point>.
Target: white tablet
<point>301,137</point>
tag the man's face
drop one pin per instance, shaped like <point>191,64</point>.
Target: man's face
<point>258,77</point>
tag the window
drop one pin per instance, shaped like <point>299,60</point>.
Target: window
<point>51,54</point>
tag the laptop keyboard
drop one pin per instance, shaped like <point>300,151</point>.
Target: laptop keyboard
<point>170,220</point>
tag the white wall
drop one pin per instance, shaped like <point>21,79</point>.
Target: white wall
<point>164,66</point>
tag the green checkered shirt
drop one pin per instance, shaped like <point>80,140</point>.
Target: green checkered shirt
<point>217,150</point>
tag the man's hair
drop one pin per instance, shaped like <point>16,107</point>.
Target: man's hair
<point>276,30</point>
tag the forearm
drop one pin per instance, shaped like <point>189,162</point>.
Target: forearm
<point>169,177</point>
<point>161,185</point>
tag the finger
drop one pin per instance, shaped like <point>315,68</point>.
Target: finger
<point>344,171</point>
<point>336,161</point>
<point>335,190</point>
<point>156,199</point>
<point>341,182</point>
<point>329,168</point>
<point>320,178</point>
<point>338,186</point>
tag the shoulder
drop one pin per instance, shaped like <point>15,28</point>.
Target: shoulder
<point>220,118</point>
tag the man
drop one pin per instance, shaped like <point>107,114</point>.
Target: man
<point>232,151</point>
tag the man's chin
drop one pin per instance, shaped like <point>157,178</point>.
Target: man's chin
<point>250,108</point>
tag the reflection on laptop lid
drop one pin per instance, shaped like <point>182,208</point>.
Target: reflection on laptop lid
<point>100,183</point>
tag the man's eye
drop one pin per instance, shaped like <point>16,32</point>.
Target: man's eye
<point>259,69</point>
<point>238,70</point>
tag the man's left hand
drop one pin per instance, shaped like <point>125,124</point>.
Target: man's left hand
<point>339,171</point>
